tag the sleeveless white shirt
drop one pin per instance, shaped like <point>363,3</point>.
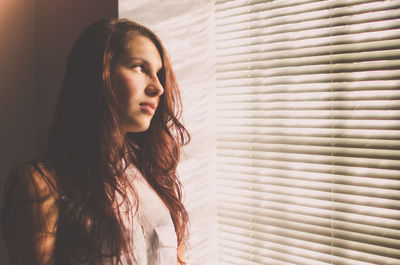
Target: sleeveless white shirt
<point>152,230</point>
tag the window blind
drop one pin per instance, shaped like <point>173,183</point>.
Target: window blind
<point>308,140</point>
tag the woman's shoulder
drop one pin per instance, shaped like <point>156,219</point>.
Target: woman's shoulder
<point>29,213</point>
<point>33,180</point>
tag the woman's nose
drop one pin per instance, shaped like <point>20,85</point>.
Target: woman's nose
<point>154,88</point>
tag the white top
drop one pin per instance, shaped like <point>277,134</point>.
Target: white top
<point>152,230</point>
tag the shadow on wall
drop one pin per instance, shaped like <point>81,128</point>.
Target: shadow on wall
<point>37,36</point>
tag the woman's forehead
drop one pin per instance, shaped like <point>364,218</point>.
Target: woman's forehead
<point>141,47</point>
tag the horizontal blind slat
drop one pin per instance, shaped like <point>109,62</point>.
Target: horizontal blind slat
<point>289,175</point>
<point>273,181</point>
<point>255,164</point>
<point>309,140</point>
<point>311,217</point>
<point>368,158</point>
<point>312,114</point>
<point>305,13</point>
<point>309,192</point>
<point>276,106</point>
<point>339,61</point>
<point>249,79</point>
<point>312,96</point>
<point>389,216</point>
<point>323,132</point>
<point>362,85</point>
<point>304,229</point>
<point>320,210</point>
<point>276,246</point>
<point>385,40</point>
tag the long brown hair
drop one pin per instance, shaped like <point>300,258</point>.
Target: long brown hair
<point>86,158</point>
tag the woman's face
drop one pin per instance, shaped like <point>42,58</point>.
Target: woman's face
<point>137,85</point>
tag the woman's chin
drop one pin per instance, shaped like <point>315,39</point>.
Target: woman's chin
<point>136,128</point>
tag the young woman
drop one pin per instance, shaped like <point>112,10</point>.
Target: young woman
<point>106,191</point>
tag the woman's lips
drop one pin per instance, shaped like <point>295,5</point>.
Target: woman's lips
<point>148,107</point>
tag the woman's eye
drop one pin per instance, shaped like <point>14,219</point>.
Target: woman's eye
<point>138,67</point>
